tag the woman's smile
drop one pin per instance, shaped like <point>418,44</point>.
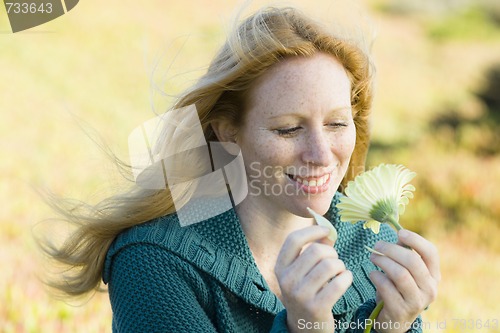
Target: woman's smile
<point>311,180</point>
<point>310,184</point>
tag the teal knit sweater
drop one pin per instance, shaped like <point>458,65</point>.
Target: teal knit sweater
<point>203,278</point>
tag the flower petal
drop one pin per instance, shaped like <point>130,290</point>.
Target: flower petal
<point>322,221</point>
<point>372,224</point>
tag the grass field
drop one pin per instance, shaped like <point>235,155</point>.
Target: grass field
<point>96,62</point>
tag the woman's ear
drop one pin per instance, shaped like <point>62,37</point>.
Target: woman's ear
<point>224,130</point>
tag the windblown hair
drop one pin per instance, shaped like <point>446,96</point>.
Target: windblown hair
<point>257,43</point>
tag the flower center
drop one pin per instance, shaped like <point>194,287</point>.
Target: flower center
<point>385,211</point>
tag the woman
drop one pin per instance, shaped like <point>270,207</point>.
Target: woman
<point>296,100</point>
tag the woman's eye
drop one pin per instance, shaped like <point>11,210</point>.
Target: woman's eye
<point>288,131</point>
<point>337,124</point>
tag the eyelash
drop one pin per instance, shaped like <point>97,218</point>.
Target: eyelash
<point>286,132</point>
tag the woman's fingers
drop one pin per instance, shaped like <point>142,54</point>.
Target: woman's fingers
<point>386,289</point>
<point>402,260</point>
<point>310,274</point>
<point>414,272</point>
<point>313,255</point>
<point>425,249</point>
<point>398,279</point>
<point>302,253</point>
<point>323,272</point>
<point>326,282</point>
<point>335,288</point>
<point>295,242</point>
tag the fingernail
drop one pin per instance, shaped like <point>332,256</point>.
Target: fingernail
<point>403,233</point>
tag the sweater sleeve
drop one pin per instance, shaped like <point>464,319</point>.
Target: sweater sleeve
<point>152,290</point>
<point>279,324</point>
<point>361,316</point>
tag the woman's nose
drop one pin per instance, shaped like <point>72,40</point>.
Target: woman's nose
<point>318,148</point>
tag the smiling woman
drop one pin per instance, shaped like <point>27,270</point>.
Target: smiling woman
<point>295,97</point>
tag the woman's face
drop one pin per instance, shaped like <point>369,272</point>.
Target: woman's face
<point>298,135</point>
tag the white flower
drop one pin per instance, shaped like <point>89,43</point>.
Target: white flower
<point>322,221</point>
<point>377,196</point>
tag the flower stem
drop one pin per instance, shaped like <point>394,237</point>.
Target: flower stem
<point>373,316</point>
<point>394,221</point>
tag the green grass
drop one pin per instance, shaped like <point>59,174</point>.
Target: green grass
<point>470,23</point>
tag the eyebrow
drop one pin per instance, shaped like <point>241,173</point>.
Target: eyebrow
<point>300,115</point>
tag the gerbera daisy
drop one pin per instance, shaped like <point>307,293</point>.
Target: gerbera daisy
<point>377,196</point>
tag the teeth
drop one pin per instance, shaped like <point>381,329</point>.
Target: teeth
<point>315,182</point>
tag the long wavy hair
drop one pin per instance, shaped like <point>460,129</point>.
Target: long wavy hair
<point>253,46</point>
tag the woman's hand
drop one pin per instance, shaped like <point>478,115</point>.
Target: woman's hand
<point>312,278</point>
<point>409,283</point>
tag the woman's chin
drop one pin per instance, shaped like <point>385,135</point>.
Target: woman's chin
<point>320,206</point>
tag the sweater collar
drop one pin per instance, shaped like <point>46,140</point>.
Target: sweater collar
<point>230,260</point>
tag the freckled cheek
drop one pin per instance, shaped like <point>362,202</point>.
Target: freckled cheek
<point>343,146</point>
<point>274,155</point>
<point>267,159</point>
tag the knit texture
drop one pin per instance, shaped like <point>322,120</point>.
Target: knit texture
<point>203,278</point>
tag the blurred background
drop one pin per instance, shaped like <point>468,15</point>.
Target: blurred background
<point>437,111</point>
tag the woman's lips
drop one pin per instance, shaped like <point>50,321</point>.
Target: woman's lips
<point>312,184</point>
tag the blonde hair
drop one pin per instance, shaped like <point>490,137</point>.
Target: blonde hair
<point>259,42</point>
